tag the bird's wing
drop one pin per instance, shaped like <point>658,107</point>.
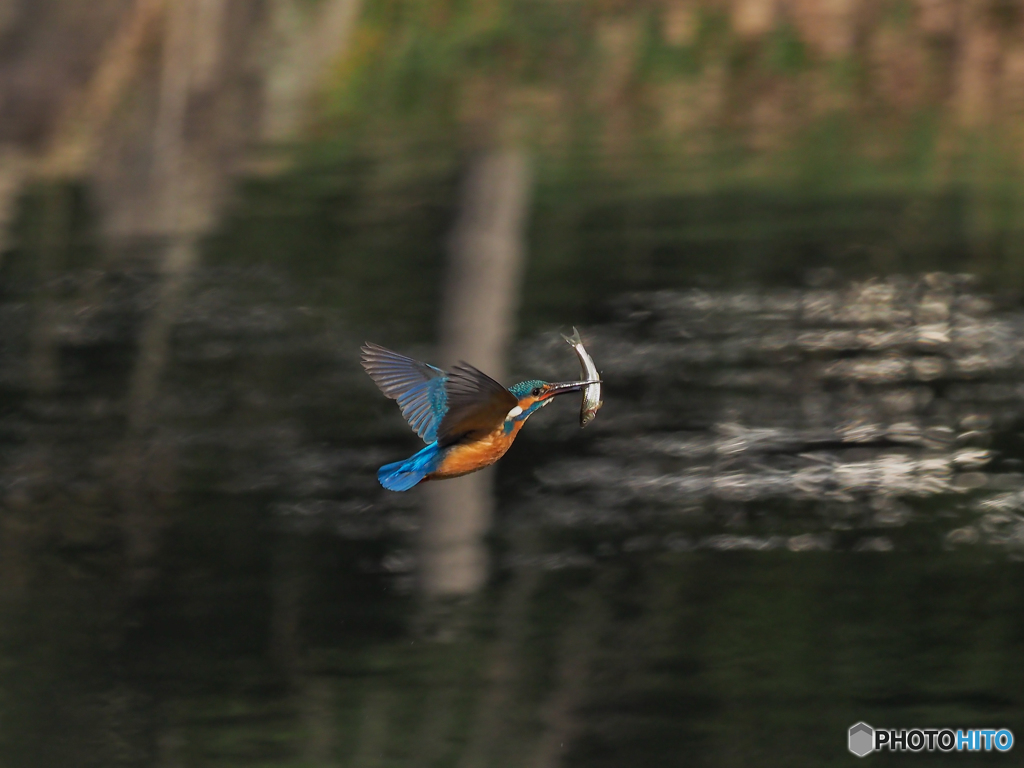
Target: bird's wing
<point>476,404</point>
<point>419,388</point>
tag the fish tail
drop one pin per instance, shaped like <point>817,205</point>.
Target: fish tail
<point>403,475</point>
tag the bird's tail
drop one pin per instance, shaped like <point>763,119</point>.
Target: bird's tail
<point>403,475</point>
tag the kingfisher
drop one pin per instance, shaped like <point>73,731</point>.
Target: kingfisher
<point>467,419</point>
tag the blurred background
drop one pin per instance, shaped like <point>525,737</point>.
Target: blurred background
<point>792,235</point>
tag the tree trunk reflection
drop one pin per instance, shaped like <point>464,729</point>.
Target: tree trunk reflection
<point>480,300</point>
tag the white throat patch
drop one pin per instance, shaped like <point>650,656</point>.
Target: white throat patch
<point>513,413</point>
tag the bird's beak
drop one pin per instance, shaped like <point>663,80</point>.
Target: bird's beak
<point>564,387</point>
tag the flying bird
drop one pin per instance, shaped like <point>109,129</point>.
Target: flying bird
<point>467,419</point>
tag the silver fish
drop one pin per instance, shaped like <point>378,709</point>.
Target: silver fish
<point>592,393</point>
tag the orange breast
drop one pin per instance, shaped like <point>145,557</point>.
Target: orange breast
<point>468,457</point>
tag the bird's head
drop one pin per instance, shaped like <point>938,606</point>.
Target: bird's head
<point>535,394</point>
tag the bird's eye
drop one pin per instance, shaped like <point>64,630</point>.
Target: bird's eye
<point>537,391</point>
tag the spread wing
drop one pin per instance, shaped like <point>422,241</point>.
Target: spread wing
<point>476,404</point>
<point>419,388</point>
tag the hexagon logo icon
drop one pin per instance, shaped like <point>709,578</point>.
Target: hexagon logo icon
<point>862,739</point>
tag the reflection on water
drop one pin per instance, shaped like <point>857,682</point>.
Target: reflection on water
<point>808,420</point>
<point>230,586</point>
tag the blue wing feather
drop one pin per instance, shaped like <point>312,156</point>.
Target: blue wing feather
<point>418,388</point>
<point>440,406</point>
<point>476,404</point>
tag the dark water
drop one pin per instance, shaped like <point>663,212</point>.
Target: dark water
<point>801,506</point>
